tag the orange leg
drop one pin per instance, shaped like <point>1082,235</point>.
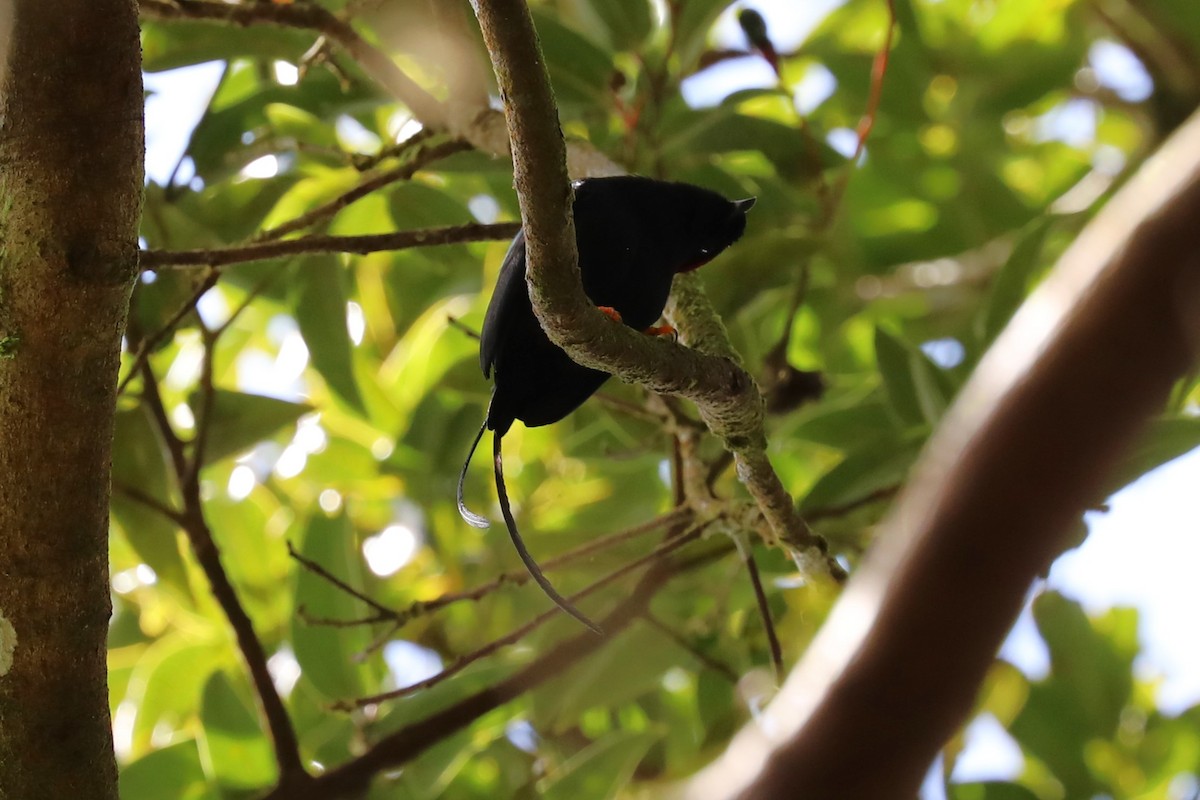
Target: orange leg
<point>610,312</point>
<point>662,330</point>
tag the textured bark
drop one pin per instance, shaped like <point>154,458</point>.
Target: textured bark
<point>1090,357</point>
<point>71,148</point>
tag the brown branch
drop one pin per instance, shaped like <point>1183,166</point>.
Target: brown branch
<point>153,503</point>
<point>148,346</point>
<point>423,157</point>
<point>516,635</point>
<point>764,610</point>
<point>353,777</point>
<point>516,578</point>
<point>204,547</point>
<point>317,243</point>
<point>728,399</point>
<point>1050,410</point>
<point>384,613</point>
<point>865,125</point>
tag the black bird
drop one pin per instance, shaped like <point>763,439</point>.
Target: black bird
<point>633,235</point>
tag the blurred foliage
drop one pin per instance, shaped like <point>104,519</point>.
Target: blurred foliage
<point>345,402</point>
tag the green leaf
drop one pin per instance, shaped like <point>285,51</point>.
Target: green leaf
<point>140,463</point>
<point>321,313</point>
<point>619,673</point>
<point>174,771</point>
<point>1013,282</point>
<point>628,21</point>
<point>580,70</point>
<point>1082,700</point>
<point>601,769</point>
<point>693,21</point>
<point>1096,665</point>
<point>990,790</point>
<point>239,421</point>
<point>1164,440</point>
<point>863,473</point>
<point>326,654</point>
<point>913,387</point>
<point>183,43</point>
<point>237,748</point>
<point>166,683</point>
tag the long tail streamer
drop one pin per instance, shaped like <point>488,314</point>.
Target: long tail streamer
<point>534,570</point>
<point>471,518</point>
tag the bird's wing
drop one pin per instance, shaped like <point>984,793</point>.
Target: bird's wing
<point>507,301</point>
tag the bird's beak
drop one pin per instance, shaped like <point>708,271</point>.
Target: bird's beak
<point>743,206</point>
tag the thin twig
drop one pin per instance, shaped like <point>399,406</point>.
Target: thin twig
<point>455,322</point>
<point>764,610</point>
<point>670,546</point>
<point>516,578</point>
<point>148,346</point>
<point>722,669</point>
<point>204,547</point>
<point>319,243</point>
<point>365,163</point>
<point>424,156</point>
<point>879,495</point>
<point>321,572</point>
<point>353,777</point>
<point>865,125</point>
<point>153,503</point>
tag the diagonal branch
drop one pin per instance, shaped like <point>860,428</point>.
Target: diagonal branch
<point>283,735</point>
<point>320,243</point>
<point>352,778</point>
<point>1024,451</point>
<point>516,635</point>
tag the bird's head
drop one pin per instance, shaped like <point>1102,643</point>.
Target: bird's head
<point>713,227</point>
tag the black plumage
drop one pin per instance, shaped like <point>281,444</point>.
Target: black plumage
<point>633,236</point>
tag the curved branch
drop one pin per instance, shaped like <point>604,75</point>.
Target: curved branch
<point>728,399</point>
<point>1025,450</point>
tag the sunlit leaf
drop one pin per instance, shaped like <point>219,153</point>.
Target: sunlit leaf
<point>327,652</point>
<point>321,312</point>
<point>236,746</point>
<point>239,421</point>
<point>602,769</point>
<point>174,771</point>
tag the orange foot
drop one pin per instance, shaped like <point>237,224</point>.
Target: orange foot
<point>662,330</point>
<point>610,312</point>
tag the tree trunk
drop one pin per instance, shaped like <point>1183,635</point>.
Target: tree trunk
<point>71,147</point>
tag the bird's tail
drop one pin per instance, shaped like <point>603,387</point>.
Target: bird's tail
<point>534,570</point>
<point>471,518</point>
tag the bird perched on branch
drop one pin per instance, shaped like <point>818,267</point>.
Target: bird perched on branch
<point>633,235</point>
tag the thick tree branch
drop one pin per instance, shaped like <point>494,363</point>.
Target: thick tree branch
<point>1025,450</point>
<point>726,395</point>
<point>320,243</point>
<point>70,73</point>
